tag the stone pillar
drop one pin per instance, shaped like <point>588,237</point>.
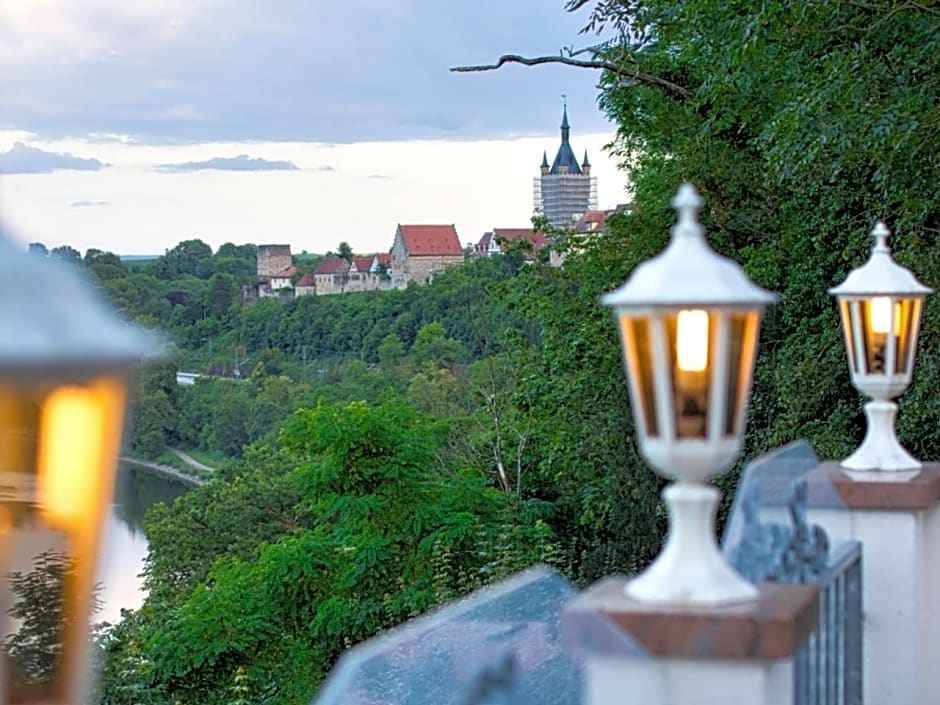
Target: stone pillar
<point>896,517</point>
<point>740,654</point>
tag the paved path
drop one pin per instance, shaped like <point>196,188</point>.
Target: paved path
<point>191,461</point>
<point>165,470</point>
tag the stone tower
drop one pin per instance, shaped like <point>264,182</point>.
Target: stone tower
<point>564,191</point>
<point>272,259</point>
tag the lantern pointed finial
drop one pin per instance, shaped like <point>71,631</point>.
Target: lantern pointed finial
<point>881,235</point>
<point>687,203</point>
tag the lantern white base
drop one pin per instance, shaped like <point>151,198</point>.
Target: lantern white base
<point>691,571</point>
<point>880,450</point>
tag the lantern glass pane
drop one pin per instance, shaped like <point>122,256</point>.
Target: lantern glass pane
<point>58,454</point>
<point>639,350</point>
<point>882,318</point>
<point>875,342</point>
<point>744,329</point>
<point>849,339</point>
<point>690,333</point>
<point>887,326</point>
<point>905,330</point>
<point>737,323</point>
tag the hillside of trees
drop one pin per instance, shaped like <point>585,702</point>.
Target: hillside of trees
<point>392,450</point>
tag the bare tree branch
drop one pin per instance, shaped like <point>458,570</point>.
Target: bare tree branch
<point>628,73</point>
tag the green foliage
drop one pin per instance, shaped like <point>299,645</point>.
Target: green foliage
<point>390,351</point>
<point>190,257</point>
<point>806,125</point>
<point>43,616</point>
<point>67,254</point>
<point>433,347</point>
<point>154,420</point>
<point>350,528</point>
<point>228,431</point>
<point>345,251</point>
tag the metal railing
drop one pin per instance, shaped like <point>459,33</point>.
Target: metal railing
<point>828,668</point>
<point>776,543</point>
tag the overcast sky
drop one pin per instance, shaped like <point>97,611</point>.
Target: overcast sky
<point>108,107</point>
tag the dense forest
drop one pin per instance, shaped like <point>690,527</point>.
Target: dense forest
<point>388,451</point>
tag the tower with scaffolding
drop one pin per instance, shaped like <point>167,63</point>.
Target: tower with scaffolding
<point>565,190</point>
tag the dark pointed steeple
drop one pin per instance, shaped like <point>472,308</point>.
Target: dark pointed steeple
<point>544,159</point>
<point>585,163</point>
<point>565,161</point>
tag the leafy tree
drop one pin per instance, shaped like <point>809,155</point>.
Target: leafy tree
<point>218,519</point>
<point>270,362</point>
<point>154,419</point>
<point>391,350</point>
<point>155,424</point>
<point>38,249</point>
<point>221,295</point>
<point>437,392</point>
<point>229,427</point>
<point>432,346</point>
<point>270,574</point>
<point>189,257</point>
<point>345,251</point>
<point>270,405</point>
<point>66,254</point>
<point>240,261</point>
<point>94,257</point>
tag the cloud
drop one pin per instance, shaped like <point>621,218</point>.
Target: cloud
<point>23,159</point>
<point>85,203</point>
<point>325,167</point>
<point>379,176</point>
<point>178,71</point>
<point>240,163</point>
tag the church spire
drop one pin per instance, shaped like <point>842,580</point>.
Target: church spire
<point>564,120</point>
<point>565,161</point>
<point>545,166</point>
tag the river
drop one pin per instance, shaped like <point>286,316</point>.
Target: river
<point>125,545</point>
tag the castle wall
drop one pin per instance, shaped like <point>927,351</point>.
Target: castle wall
<point>272,259</point>
<point>420,268</point>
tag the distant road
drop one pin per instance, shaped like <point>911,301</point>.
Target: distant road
<point>165,470</point>
<point>191,461</point>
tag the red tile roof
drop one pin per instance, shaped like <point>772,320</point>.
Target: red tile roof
<point>430,240</point>
<point>536,238</point>
<point>285,273</point>
<point>306,280</point>
<point>334,265</point>
<point>362,264</point>
<point>592,221</point>
<point>384,258</point>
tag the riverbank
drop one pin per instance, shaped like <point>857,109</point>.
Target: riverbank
<point>165,470</point>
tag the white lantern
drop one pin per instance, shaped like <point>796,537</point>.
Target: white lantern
<point>64,363</point>
<point>689,321</point>
<point>880,304</point>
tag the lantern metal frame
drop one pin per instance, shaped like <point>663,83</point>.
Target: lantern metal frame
<point>881,304</point>
<point>65,361</point>
<point>690,416</point>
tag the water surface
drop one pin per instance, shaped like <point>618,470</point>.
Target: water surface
<point>125,545</point>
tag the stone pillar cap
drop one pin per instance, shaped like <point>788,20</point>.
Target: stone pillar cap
<point>885,490</point>
<point>773,627</point>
